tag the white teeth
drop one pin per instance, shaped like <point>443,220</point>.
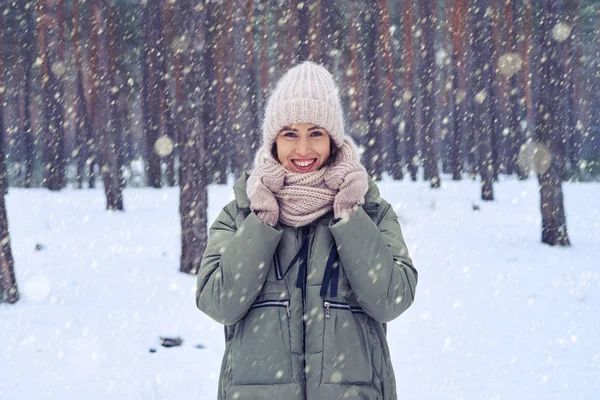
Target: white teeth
<point>304,163</point>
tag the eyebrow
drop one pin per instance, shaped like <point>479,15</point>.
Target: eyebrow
<point>287,128</point>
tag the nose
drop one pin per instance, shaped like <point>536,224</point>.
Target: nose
<point>303,148</point>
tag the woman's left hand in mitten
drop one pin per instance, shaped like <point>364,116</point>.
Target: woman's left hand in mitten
<point>351,194</point>
<point>349,178</point>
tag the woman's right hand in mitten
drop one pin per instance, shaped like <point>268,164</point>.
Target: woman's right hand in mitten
<point>264,181</point>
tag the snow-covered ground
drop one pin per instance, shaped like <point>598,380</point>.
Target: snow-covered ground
<point>497,315</point>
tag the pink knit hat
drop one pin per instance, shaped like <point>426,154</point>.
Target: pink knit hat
<point>306,93</point>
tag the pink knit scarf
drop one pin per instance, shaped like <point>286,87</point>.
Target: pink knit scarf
<point>303,197</point>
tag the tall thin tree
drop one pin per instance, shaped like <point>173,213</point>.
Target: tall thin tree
<point>84,138</point>
<point>51,46</point>
<point>116,88</point>
<point>483,94</point>
<point>193,178</point>
<point>27,50</point>
<point>150,92</point>
<point>164,46</point>
<point>9,291</point>
<point>100,105</point>
<point>409,94</point>
<point>372,142</point>
<point>550,122</point>
<point>460,17</point>
<point>391,160</point>
<point>427,72</point>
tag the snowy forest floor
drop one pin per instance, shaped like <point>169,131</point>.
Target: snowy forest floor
<point>497,314</point>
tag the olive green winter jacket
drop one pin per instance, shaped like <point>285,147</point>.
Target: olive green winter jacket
<point>305,309</point>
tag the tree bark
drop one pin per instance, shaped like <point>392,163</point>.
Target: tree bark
<point>372,142</point>
<point>27,50</point>
<point>550,122</point>
<point>500,92</point>
<point>50,31</point>
<point>169,131</point>
<point>391,157</point>
<point>245,123</point>
<point>573,48</point>
<point>83,124</point>
<point>9,291</point>
<point>515,135</point>
<point>217,158</point>
<point>428,101</point>
<point>526,50</point>
<point>460,34</point>
<point>100,101</point>
<point>150,92</point>
<point>116,85</point>
<point>193,177</point>
<point>483,95</point>
<point>301,11</point>
<point>409,96</point>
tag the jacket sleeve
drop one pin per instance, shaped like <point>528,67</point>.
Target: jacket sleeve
<point>234,266</point>
<point>376,262</point>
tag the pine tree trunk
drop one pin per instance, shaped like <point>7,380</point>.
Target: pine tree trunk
<point>500,91</point>
<point>270,44</point>
<point>3,175</point>
<point>193,178</point>
<point>460,34</point>
<point>409,96</point>
<point>150,92</point>
<point>285,52</point>
<point>252,65</point>
<point>83,133</point>
<point>27,50</point>
<point>550,123</point>
<point>526,50</point>
<point>483,95</point>
<point>116,84</point>
<point>244,88</point>
<point>166,98</point>
<point>9,291</point>
<point>100,101</point>
<point>329,32</point>
<point>428,100</point>
<point>573,48</point>
<point>515,136</point>
<point>302,12</point>
<point>391,159</point>
<point>217,159</point>
<point>373,76</point>
<point>50,30</point>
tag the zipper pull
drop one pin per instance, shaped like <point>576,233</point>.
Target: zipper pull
<point>327,305</point>
<point>287,307</point>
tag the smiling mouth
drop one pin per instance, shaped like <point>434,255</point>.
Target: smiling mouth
<point>305,164</point>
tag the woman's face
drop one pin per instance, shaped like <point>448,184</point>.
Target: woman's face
<point>303,147</point>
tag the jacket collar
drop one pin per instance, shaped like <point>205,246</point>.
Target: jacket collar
<point>372,198</point>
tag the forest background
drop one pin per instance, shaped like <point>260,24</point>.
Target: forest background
<point>170,93</point>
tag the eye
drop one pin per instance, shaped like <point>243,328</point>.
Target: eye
<point>289,134</point>
<point>317,133</point>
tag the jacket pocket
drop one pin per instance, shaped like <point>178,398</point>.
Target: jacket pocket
<point>261,350</point>
<point>346,345</point>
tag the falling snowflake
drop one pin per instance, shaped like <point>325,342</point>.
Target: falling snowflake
<point>561,32</point>
<point>509,64</point>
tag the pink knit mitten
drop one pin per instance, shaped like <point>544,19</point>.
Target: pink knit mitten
<point>264,181</point>
<point>349,178</point>
<point>351,194</point>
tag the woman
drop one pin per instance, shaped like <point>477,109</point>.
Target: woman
<point>307,265</point>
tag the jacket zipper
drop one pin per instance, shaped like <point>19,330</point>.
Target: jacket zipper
<point>304,278</point>
<point>273,303</point>
<point>340,306</point>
